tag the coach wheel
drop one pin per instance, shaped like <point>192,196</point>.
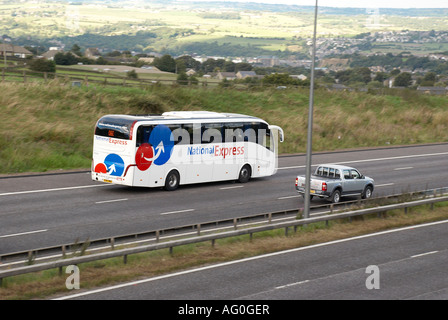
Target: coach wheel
<point>172,181</point>
<point>245,174</point>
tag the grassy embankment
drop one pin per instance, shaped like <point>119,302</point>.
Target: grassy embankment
<point>50,127</point>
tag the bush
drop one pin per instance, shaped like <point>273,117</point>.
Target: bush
<point>132,74</point>
<point>43,65</point>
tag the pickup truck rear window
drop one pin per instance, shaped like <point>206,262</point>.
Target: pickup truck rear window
<point>328,172</point>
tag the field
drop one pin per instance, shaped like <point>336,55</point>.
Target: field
<point>50,126</point>
<point>172,26</point>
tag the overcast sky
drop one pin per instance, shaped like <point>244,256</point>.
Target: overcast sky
<point>360,3</point>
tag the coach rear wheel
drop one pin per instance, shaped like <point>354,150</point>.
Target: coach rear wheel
<point>245,174</point>
<point>172,181</point>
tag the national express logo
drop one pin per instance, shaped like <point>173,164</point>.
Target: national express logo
<point>157,150</point>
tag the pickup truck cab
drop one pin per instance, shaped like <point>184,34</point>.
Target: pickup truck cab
<point>335,181</point>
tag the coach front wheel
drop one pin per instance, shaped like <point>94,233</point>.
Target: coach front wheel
<point>172,181</point>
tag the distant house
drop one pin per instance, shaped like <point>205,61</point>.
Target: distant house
<point>147,60</point>
<point>14,51</point>
<point>49,55</point>
<point>267,61</point>
<point>190,72</point>
<point>92,53</point>
<point>299,77</point>
<point>245,74</point>
<point>226,75</point>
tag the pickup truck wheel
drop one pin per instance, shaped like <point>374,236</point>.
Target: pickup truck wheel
<point>336,196</point>
<point>367,193</point>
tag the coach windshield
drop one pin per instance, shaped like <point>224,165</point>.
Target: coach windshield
<point>115,127</point>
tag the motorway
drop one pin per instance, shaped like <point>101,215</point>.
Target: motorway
<point>47,210</point>
<point>406,263</point>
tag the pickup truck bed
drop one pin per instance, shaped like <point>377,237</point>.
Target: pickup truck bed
<point>335,181</point>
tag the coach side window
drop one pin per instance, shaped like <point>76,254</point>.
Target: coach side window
<point>233,132</point>
<point>143,133</point>
<point>211,133</point>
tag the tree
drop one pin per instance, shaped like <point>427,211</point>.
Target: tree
<point>65,59</point>
<point>281,79</point>
<point>132,74</point>
<point>76,50</point>
<point>165,63</point>
<point>404,79</point>
<point>381,76</point>
<point>430,76</point>
<point>182,78</point>
<point>43,65</point>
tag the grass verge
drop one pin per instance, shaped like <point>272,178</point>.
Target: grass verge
<point>50,126</point>
<point>49,283</point>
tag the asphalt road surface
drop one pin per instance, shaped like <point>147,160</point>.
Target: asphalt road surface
<point>406,263</point>
<point>47,210</point>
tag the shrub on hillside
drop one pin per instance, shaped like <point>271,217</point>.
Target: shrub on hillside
<point>43,65</point>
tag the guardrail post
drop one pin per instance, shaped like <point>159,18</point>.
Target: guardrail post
<point>199,229</point>
<point>157,235</point>
<point>234,223</point>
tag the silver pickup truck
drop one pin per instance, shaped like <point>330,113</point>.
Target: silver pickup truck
<point>336,181</point>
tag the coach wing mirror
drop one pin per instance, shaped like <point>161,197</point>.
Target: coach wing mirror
<point>280,131</point>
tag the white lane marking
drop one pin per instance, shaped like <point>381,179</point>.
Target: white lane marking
<point>404,168</point>
<point>23,233</point>
<point>288,197</point>
<point>248,259</point>
<point>227,188</point>
<point>292,284</point>
<point>384,185</point>
<point>108,201</point>
<point>180,211</point>
<point>423,254</point>
<point>51,190</point>
<point>378,159</point>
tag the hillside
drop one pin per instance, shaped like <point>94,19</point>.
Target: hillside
<point>210,28</point>
<point>50,127</point>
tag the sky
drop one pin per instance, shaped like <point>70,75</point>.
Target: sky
<point>360,3</point>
